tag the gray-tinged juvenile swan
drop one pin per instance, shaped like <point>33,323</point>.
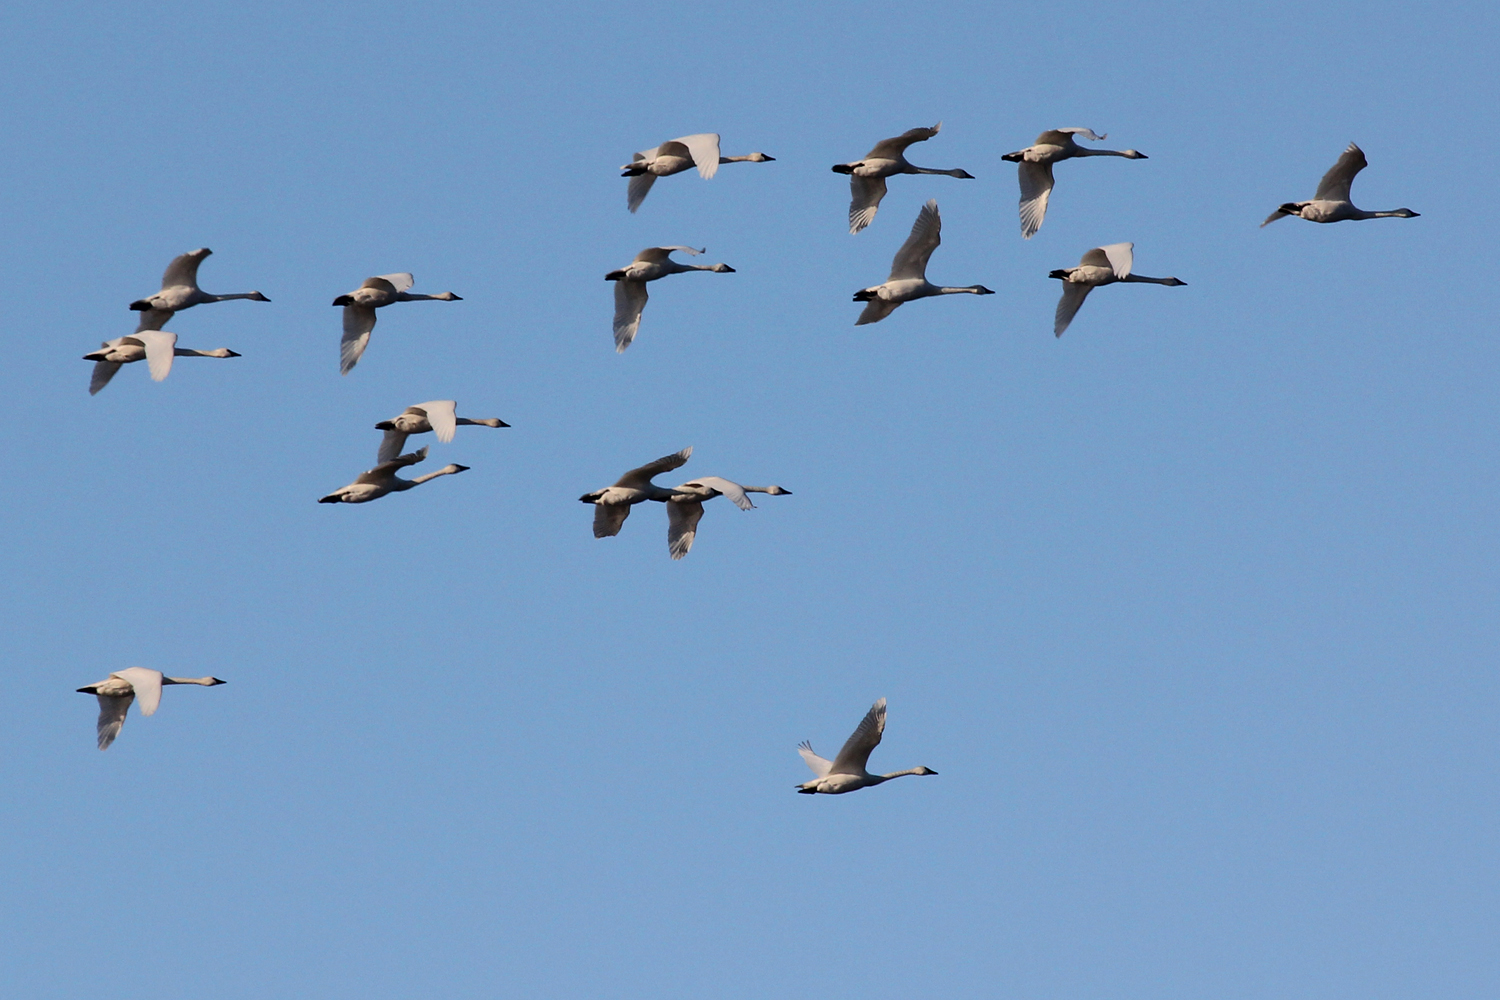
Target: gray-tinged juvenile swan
<point>675,156</point>
<point>1036,169</point>
<point>612,504</point>
<point>685,507</point>
<point>1331,203</point>
<point>1100,266</point>
<point>908,278</point>
<point>359,311</point>
<point>846,772</point>
<point>867,176</point>
<point>438,415</point>
<point>179,288</point>
<point>120,688</point>
<point>382,479</point>
<point>630,286</point>
<point>154,346</point>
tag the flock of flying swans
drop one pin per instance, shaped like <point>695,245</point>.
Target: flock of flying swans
<point>1104,265</point>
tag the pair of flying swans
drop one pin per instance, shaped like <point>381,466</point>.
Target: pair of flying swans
<point>439,416</point>
<point>382,479</point>
<point>888,158</point>
<point>120,688</point>
<point>359,311</point>
<point>846,772</point>
<point>908,278</point>
<point>1331,202</point>
<point>630,286</point>
<point>149,343</point>
<point>1100,266</point>
<point>1035,169</point>
<point>673,157</point>
<point>179,289</point>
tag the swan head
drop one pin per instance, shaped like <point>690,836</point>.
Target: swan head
<point>224,352</point>
<point>760,158</point>
<point>923,770</point>
<point>963,175</point>
<point>777,491</point>
<point>449,297</point>
<point>722,269</point>
<point>981,290</point>
<point>342,300</point>
<point>1132,154</point>
<point>1173,281</point>
<point>214,681</point>
<point>1406,213</point>
<point>257,297</point>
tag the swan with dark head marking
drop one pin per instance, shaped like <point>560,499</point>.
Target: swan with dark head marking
<point>359,311</point>
<point>122,687</point>
<point>846,772</point>
<point>650,264</point>
<point>674,157</point>
<point>1035,171</point>
<point>888,158</point>
<point>382,479</point>
<point>908,278</point>
<point>438,415</point>
<point>1100,266</point>
<point>612,504</point>
<point>1331,202</point>
<point>179,288</point>
<point>150,344</point>
<point>685,507</point>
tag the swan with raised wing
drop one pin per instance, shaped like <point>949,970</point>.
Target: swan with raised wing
<point>179,288</point>
<point>612,504</point>
<point>154,346</point>
<point>359,311</point>
<point>382,479</point>
<point>438,415</point>
<point>846,772</point>
<point>630,286</point>
<point>888,158</point>
<point>120,688</point>
<point>908,278</point>
<point>1035,171</point>
<point>1100,266</point>
<point>675,156</point>
<point>685,507</point>
<point>1331,202</point>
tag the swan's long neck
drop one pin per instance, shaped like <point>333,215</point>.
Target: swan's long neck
<point>895,774</point>
<point>1141,278</point>
<point>971,289</point>
<point>485,422</point>
<point>205,681</point>
<point>739,159</point>
<point>225,298</point>
<point>218,352</point>
<point>1129,154</point>
<point>446,470</point>
<point>929,170</point>
<point>1400,213</point>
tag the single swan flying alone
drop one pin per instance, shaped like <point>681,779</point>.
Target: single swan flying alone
<point>1331,202</point>
<point>179,288</point>
<point>438,415</point>
<point>846,772</point>
<point>122,687</point>
<point>359,311</point>
<point>630,286</point>
<point>382,479</point>
<point>612,504</point>
<point>1036,162</point>
<point>908,278</point>
<point>685,507</point>
<point>156,347</point>
<point>1100,266</point>
<point>675,156</point>
<point>867,176</point>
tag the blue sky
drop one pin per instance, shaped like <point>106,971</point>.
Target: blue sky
<point>1192,609</point>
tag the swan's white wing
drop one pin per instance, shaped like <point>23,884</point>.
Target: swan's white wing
<point>1086,133</point>
<point>864,200</point>
<point>646,154</point>
<point>103,372</point>
<point>640,186</point>
<point>1121,258</point>
<point>385,470</point>
<point>926,234</point>
<point>819,766</point>
<point>147,686</point>
<point>727,487</point>
<point>159,345</point>
<point>112,709</point>
<point>630,299</point>
<point>875,311</point>
<point>640,478</point>
<point>184,268</point>
<point>390,446</point>
<point>1335,184</point>
<point>401,281</point>
<point>856,752</point>
<point>657,255</point>
<point>704,148</point>
<point>1067,307</point>
<point>442,414</point>
<point>1036,188</point>
<point>682,525</point>
<point>608,517</point>
<point>358,322</point>
<point>892,149</point>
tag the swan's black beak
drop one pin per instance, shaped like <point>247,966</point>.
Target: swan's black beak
<point>233,354</point>
<point>217,681</point>
<point>964,175</point>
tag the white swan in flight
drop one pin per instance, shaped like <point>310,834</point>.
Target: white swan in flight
<point>685,507</point>
<point>359,311</point>
<point>630,286</point>
<point>1331,202</point>
<point>612,504</point>
<point>675,156</point>
<point>846,772</point>
<point>120,688</point>
<point>156,347</point>
<point>179,288</point>
<point>867,176</point>
<point>1036,169</point>
<point>1100,266</point>
<point>382,479</point>
<point>438,415</point>
<point>908,278</point>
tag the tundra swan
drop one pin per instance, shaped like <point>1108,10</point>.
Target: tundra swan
<point>382,479</point>
<point>685,507</point>
<point>867,176</point>
<point>630,286</point>
<point>438,415</point>
<point>156,347</point>
<point>121,687</point>
<point>675,156</point>
<point>908,278</point>
<point>1036,169</point>
<point>846,772</point>
<point>612,504</point>
<point>1331,202</point>
<point>359,311</point>
<point>179,288</point>
<point>1100,266</point>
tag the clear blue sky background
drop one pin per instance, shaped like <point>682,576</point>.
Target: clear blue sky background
<point>1193,609</point>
